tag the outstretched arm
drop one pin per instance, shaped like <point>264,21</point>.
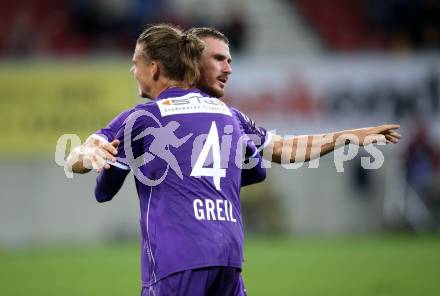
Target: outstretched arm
<point>308,147</point>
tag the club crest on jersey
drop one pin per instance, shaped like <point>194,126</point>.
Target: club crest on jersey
<point>192,103</point>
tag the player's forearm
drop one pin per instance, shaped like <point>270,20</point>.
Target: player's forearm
<point>308,147</point>
<point>323,144</point>
<point>297,148</point>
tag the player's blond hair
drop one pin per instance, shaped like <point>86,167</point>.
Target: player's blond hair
<point>179,53</point>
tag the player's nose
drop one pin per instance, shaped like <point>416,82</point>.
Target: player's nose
<point>227,68</point>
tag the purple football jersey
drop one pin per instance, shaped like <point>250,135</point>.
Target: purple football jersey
<point>259,138</point>
<point>186,150</point>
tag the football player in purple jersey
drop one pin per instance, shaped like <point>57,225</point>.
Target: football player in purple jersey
<point>191,225</point>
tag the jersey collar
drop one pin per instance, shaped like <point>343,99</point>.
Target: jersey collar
<point>176,92</point>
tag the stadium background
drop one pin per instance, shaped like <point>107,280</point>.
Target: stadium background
<point>300,66</point>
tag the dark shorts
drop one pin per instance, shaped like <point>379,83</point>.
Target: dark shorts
<point>210,281</point>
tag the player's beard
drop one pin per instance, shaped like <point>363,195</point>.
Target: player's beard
<point>212,89</point>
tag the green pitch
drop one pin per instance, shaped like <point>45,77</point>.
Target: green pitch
<point>397,265</point>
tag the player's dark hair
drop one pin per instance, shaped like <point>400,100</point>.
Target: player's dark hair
<point>204,32</point>
<point>179,53</point>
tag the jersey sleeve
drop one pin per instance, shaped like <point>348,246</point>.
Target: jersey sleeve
<point>254,175</point>
<point>108,183</point>
<point>131,140</point>
<point>259,137</point>
<point>108,133</point>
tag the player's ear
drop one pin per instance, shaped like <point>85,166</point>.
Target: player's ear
<point>155,70</point>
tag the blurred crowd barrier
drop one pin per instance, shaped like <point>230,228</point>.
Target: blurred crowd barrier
<point>41,101</point>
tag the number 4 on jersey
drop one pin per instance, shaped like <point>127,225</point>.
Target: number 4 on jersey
<point>212,143</point>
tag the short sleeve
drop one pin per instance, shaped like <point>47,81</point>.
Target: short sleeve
<point>259,137</point>
<point>108,133</point>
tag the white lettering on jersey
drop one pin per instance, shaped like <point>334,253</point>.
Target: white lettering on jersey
<point>192,103</point>
<point>210,210</point>
<point>213,210</point>
<point>198,212</point>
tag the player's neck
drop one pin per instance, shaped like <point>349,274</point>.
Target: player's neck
<point>166,84</point>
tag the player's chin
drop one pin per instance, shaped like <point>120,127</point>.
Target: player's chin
<point>218,91</point>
